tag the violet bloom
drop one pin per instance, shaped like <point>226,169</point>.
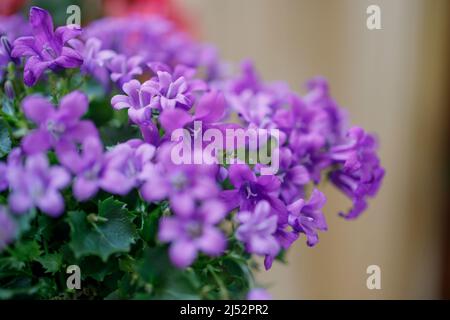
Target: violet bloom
<point>307,217</point>
<point>183,184</point>
<point>46,49</point>
<point>293,176</point>
<point>250,189</point>
<point>5,55</point>
<point>197,232</point>
<point>209,110</point>
<point>124,164</point>
<point>138,101</point>
<point>258,294</point>
<point>173,89</point>
<point>256,230</point>
<point>36,184</point>
<point>123,69</point>
<point>7,228</point>
<point>360,173</point>
<point>94,58</point>
<point>253,107</point>
<point>87,165</point>
<point>58,128</point>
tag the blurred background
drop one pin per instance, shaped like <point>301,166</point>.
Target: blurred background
<point>394,81</point>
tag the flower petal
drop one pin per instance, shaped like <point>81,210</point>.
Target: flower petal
<point>74,105</point>
<point>69,58</point>
<point>83,188</point>
<point>37,108</point>
<point>41,25</point>
<point>51,203</point>
<point>182,253</point>
<point>65,33</point>
<point>36,141</point>
<point>23,46</point>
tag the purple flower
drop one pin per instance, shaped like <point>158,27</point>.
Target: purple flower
<point>138,101</point>
<point>293,176</point>
<point>253,108</point>
<point>124,164</point>
<point>183,184</point>
<point>256,230</point>
<point>193,233</point>
<point>258,294</point>
<point>7,228</point>
<point>175,89</point>
<point>360,174</point>
<point>209,110</point>
<point>36,184</point>
<point>123,69</point>
<point>5,55</point>
<point>307,217</point>
<point>87,166</point>
<point>58,128</point>
<point>250,189</point>
<point>46,49</point>
<point>94,59</point>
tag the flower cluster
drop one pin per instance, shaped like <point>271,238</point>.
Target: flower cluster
<point>166,81</point>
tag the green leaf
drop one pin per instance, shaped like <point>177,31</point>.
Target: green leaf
<point>93,267</point>
<point>51,262</point>
<point>5,139</point>
<point>112,231</point>
<point>26,251</point>
<point>149,228</point>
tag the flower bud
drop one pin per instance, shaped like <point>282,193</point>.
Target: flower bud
<point>9,90</point>
<point>7,48</point>
<point>6,45</point>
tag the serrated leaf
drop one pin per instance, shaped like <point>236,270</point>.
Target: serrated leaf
<point>51,262</point>
<point>102,238</point>
<point>26,251</point>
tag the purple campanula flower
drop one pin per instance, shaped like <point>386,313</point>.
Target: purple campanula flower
<point>7,228</point>
<point>183,184</point>
<point>5,55</point>
<point>293,176</point>
<point>249,80</point>
<point>334,119</point>
<point>173,89</point>
<point>87,165</point>
<point>257,230</point>
<point>36,184</point>
<point>193,233</point>
<point>254,108</point>
<point>124,164</point>
<point>9,90</point>
<point>123,69</point>
<point>250,189</point>
<point>95,59</point>
<point>138,101</point>
<point>258,294</point>
<point>209,110</point>
<point>307,217</point>
<point>360,174</point>
<point>57,127</point>
<point>46,49</point>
